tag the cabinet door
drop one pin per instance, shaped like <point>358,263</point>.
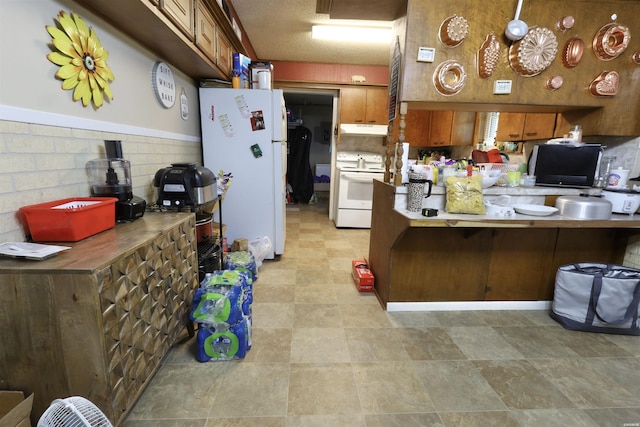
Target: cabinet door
<point>538,126</point>
<point>416,130</point>
<point>205,31</point>
<point>376,111</point>
<point>463,130</point>
<point>520,264</point>
<point>181,13</point>
<point>225,57</point>
<point>562,126</point>
<point>440,129</point>
<point>510,126</point>
<point>353,104</point>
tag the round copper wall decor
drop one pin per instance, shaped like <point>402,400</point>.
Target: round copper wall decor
<point>533,53</point>
<point>573,51</point>
<point>453,30</point>
<point>449,77</point>
<point>610,41</point>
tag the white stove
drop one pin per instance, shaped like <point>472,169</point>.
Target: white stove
<point>358,161</point>
<point>356,173</point>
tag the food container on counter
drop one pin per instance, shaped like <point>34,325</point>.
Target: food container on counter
<point>584,207</point>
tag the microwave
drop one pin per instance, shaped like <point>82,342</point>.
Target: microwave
<point>565,165</point>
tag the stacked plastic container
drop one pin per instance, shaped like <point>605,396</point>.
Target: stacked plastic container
<point>222,307</point>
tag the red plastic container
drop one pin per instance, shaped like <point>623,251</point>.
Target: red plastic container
<point>70,220</point>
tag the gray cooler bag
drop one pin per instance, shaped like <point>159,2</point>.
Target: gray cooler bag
<point>597,298</point>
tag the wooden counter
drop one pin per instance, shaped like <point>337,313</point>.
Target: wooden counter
<point>97,319</point>
<point>480,258</point>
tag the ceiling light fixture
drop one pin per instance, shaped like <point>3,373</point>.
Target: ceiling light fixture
<point>351,34</point>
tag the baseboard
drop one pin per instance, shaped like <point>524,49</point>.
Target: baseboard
<point>468,305</point>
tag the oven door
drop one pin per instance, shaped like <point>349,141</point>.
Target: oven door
<point>355,189</point>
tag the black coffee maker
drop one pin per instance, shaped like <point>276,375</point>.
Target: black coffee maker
<point>111,177</point>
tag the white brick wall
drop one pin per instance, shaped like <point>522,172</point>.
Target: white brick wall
<point>41,163</point>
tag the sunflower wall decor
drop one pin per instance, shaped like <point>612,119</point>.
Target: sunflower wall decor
<point>82,60</point>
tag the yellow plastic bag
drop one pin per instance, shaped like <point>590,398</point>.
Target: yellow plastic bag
<point>464,195</point>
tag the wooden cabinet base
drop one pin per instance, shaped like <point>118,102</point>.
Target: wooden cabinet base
<point>97,320</point>
<point>415,262</point>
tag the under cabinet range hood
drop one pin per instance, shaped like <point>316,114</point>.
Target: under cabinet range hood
<point>363,130</point>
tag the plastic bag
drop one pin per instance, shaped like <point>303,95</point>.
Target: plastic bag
<point>464,195</point>
<point>260,248</point>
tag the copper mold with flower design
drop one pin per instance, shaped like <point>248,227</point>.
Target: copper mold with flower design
<point>610,41</point>
<point>533,53</point>
<point>453,30</point>
<point>606,84</point>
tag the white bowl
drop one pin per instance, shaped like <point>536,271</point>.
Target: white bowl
<point>490,178</point>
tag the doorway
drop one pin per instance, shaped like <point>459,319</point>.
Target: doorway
<point>316,110</point>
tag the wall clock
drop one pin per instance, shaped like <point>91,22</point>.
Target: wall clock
<point>164,85</point>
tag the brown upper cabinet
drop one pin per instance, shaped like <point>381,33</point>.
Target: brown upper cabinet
<point>451,128</point>
<point>364,105</point>
<point>525,126</point>
<point>425,128</point>
<point>195,36</point>
<point>181,13</point>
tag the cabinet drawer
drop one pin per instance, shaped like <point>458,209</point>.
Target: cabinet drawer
<point>181,13</point>
<point>205,31</point>
<point>224,55</point>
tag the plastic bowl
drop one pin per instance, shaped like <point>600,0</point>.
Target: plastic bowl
<point>490,178</point>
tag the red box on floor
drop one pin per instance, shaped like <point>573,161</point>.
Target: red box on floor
<point>362,275</point>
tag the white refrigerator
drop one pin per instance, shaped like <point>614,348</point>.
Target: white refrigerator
<point>244,133</point>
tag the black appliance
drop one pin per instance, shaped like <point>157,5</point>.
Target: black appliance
<point>185,185</point>
<point>111,177</point>
<point>565,165</point>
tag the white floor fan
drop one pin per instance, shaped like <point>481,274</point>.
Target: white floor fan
<point>74,411</point>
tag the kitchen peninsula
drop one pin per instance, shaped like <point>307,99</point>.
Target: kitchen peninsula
<point>480,261</point>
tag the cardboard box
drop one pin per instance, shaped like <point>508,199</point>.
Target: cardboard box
<point>15,410</point>
<point>241,65</point>
<point>362,276</point>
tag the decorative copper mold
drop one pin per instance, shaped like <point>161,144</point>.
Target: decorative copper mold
<point>565,23</point>
<point>533,53</point>
<point>610,41</point>
<point>606,84</point>
<point>453,30</point>
<point>554,82</point>
<point>573,51</point>
<point>488,56</point>
<point>449,77</point>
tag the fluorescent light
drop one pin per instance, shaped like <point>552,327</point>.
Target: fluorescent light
<point>351,34</point>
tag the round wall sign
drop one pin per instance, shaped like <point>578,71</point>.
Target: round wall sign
<point>164,85</point>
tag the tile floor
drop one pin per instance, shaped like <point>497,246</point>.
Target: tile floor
<point>325,355</point>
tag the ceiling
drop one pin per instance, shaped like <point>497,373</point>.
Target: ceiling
<point>280,30</point>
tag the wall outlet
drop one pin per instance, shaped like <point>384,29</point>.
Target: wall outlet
<point>426,54</point>
<point>502,87</point>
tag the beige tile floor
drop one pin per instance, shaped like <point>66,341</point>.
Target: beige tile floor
<point>325,355</point>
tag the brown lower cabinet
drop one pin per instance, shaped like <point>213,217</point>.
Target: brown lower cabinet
<point>435,260</point>
<point>97,320</point>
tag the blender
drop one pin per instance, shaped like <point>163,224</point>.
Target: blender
<point>111,177</point>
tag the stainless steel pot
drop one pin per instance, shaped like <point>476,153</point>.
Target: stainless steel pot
<point>584,207</point>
